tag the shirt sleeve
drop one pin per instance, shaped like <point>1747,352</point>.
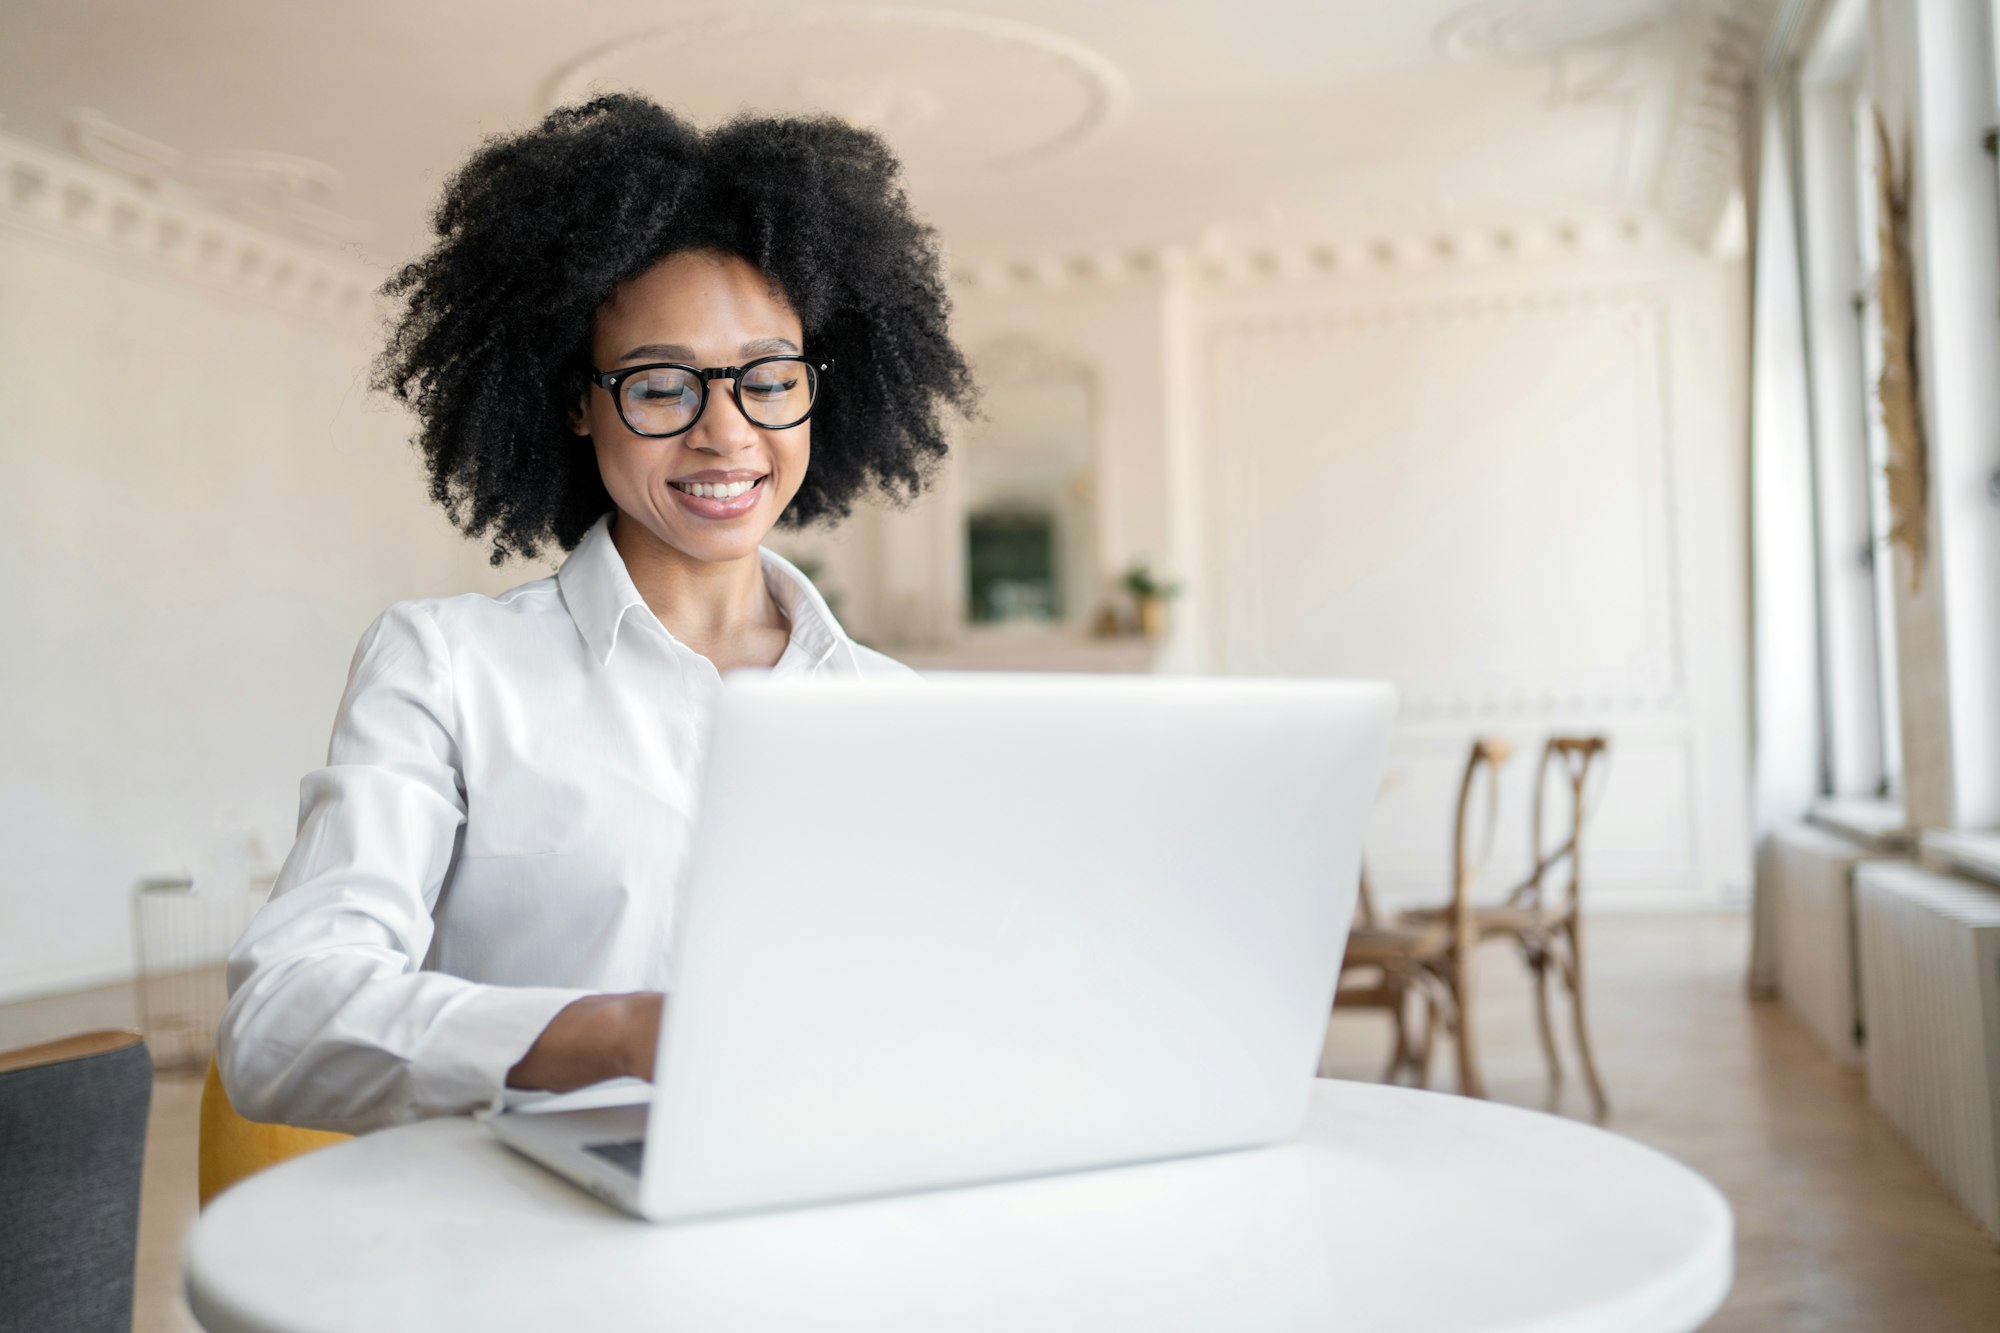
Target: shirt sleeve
<point>332,1022</point>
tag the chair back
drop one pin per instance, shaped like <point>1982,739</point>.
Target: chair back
<point>233,1148</point>
<point>1488,753</point>
<point>1569,759</point>
<point>72,1150</point>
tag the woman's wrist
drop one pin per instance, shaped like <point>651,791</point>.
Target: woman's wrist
<point>592,1039</point>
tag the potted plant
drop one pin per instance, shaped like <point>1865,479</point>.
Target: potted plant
<point>1151,595</point>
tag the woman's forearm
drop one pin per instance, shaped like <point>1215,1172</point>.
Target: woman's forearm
<point>592,1039</point>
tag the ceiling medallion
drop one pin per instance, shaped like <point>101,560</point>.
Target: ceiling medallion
<point>952,92</point>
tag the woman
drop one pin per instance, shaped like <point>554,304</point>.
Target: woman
<point>648,345</point>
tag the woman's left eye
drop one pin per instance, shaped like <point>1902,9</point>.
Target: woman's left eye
<point>771,390</point>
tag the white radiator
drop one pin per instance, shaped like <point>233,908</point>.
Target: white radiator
<point>1812,886</point>
<point>1930,985</point>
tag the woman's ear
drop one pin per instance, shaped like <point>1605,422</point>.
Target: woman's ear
<point>579,416</point>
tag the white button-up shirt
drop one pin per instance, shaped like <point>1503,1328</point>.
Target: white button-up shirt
<point>499,829</point>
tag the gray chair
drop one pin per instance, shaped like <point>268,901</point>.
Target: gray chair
<point>72,1145</point>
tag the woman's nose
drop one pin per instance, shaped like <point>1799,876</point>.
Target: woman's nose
<point>723,429</point>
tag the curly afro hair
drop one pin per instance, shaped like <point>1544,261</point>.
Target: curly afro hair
<point>492,345</point>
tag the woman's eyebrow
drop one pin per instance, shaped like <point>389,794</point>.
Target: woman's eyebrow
<point>680,352</point>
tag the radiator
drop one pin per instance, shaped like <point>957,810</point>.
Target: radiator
<point>1930,974</point>
<point>1812,887</point>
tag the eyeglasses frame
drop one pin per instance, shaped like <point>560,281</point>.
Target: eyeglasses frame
<point>613,382</point>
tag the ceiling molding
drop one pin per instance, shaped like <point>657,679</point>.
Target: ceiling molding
<point>1701,166</point>
<point>282,192</point>
<point>166,231</point>
<point>1719,46</point>
<point>1218,258</point>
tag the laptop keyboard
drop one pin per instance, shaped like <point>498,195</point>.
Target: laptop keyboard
<point>625,1156</point>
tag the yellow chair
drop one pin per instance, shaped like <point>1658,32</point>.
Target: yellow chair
<point>233,1148</point>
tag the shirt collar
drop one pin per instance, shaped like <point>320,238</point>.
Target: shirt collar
<point>814,630</point>
<point>598,590</point>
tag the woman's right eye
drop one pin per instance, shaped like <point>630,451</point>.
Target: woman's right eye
<point>658,393</point>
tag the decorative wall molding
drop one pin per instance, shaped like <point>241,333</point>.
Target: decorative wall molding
<point>1658,688</point>
<point>1468,663</point>
<point>1220,257</point>
<point>989,93</point>
<point>61,198</point>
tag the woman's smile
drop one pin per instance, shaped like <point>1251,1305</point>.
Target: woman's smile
<point>719,494</point>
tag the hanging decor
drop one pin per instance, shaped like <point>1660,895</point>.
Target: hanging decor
<point>1897,389</point>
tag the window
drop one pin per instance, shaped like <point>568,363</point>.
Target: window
<point>1834,157</point>
<point>1876,557</point>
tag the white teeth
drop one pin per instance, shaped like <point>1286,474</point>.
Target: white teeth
<point>708,492</point>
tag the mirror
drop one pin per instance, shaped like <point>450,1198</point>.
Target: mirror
<point>1028,487</point>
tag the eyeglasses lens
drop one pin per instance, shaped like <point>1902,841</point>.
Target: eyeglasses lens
<point>778,393</point>
<point>661,401</point>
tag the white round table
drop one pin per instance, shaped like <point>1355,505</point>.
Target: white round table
<point>1393,1210</point>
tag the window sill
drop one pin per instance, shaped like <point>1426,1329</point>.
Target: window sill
<point>1969,852</point>
<point>1878,825</point>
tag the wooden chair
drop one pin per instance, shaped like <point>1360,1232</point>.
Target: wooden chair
<point>72,1149</point>
<point>1542,920</point>
<point>1547,923</point>
<point>1388,967</point>
<point>1428,954</point>
<point>233,1148</point>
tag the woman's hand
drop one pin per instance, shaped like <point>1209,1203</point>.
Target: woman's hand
<point>592,1039</point>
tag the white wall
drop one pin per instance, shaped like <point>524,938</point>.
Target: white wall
<point>202,508</point>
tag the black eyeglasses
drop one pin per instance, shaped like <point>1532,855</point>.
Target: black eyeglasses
<point>667,398</point>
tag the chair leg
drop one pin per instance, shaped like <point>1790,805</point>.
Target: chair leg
<point>1573,974</point>
<point>1427,988</point>
<point>1405,1055</point>
<point>1538,963</point>
<point>1399,1054</point>
<point>1469,1082</point>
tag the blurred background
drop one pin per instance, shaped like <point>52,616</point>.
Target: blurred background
<point>1522,352</point>
<point>1408,339</point>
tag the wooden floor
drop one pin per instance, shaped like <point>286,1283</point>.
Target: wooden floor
<point>1840,1227</point>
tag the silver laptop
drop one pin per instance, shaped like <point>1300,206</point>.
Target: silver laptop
<point>978,927</point>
